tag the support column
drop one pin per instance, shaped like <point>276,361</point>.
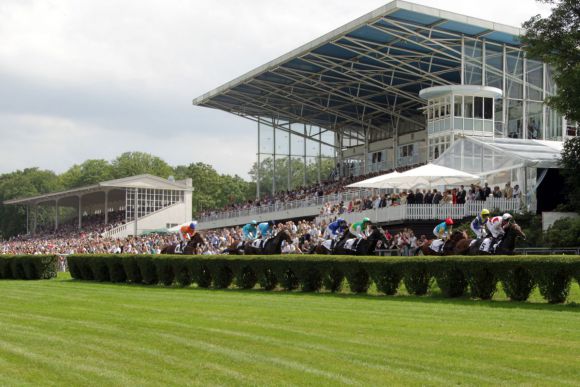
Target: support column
<point>136,215</point>
<point>289,185</point>
<point>274,158</point>
<point>259,164</point>
<point>27,219</point>
<point>106,207</point>
<point>319,154</point>
<point>80,211</point>
<point>305,162</point>
<point>35,218</point>
<point>56,215</point>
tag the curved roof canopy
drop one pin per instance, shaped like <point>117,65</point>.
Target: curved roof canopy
<point>367,73</point>
<point>139,181</point>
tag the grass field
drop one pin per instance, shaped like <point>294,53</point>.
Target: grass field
<point>64,332</point>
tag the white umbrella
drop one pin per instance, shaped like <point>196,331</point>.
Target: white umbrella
<point>370,183</point>
<point>425,176</point>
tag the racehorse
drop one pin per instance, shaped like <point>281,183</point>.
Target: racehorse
<point>192,247</point>
<point>271,246</point>
<point>363,246</point>
<point>236,248</point>
<point>506,246</point>
<point>448,246</point>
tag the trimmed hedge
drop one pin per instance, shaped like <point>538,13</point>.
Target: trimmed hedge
<point>28,267</point>
<point>455,276</point>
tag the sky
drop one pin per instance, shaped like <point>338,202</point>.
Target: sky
<point>91,79</point>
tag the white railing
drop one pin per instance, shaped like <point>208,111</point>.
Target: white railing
<point>115,231</point>
<point>119,230</point>
<point>317,201</point>
<point>429,211</point>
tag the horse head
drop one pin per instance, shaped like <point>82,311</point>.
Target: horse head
<point>515,228</point>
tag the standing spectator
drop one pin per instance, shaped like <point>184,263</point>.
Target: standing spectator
<point>436,197</point>
<point>461,195</point>
<point>486,191</point>
<point>419,197</point>
<point>454,196</point>
<point>428,199</point>
<point>497,192</point>
<point>508,191</point>
<point>517,194</point>
<point>410,197</point>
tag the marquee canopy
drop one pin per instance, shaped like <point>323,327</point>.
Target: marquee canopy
<point>365,74</point>
<point>486,156</point>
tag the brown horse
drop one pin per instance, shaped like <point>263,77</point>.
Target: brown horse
<point>193,246</point>
<point>236,248</point>
<point>271,246</point>
<point>448,247</point>
<point>506,246</point>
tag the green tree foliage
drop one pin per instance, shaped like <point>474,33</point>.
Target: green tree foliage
<point>138,163</point>
<point>564,233</point>
<point>571,163</point>
<point>556,40</point>
<point>19,184</point>
<point>297,169</point>
<point>212,190</point>
<point>87,173</point>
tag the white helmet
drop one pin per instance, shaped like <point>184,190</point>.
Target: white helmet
<point>506,217</point>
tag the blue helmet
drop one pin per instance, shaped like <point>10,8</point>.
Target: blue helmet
<point>192,225</point>
<point>340,220</point>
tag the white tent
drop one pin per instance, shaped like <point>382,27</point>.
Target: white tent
<point>425,176</point>
<point>372,180</point>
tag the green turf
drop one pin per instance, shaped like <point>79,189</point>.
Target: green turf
<point>64,332</point>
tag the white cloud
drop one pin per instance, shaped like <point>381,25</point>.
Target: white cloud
<point>91,79</point>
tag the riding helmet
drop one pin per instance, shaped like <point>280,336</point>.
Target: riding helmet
<point>449,222</point>
<point>485,213</point>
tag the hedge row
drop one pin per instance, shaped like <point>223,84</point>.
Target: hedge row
<point>455,276</point>
<point>28,267</point>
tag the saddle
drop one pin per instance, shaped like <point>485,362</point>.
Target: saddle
<point>352,244</point>
<point>258,243</point>
<point>437,245</point>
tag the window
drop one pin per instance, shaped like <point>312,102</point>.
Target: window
<point>469,107</point>
<point>478,107</point>
<point>457,106</point>
<point>488,108</point>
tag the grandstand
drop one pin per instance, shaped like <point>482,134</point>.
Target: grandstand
<point>401,85</point>
<point>146,203</point>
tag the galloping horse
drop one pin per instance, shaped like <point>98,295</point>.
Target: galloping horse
<point>506,246</point>
<point>363,246</point>
<point>271,246</point>
<point>448,247</point>
<point>192,247</point>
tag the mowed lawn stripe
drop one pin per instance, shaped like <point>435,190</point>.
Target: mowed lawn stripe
<point>255,337</point>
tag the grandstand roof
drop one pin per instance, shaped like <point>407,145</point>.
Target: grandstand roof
<point>367,73</point>
<point>139,181</point>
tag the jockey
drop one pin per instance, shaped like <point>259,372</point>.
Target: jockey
<point>478,224</point>
<point>444,229</point>
<point>265,229</point>
<point>496,226</point>
<point>249,231</point>
<point>335,229</point>
<point>359,229</point>
<point>186,233</point>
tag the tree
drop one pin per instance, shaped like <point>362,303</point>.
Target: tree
<point>138,163</point>
<point>296,173</point>
<point>88,173</point>
<point>212,190</point>
<point>556,41</point>
<point>570,162</point>
<point>20,184</point>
